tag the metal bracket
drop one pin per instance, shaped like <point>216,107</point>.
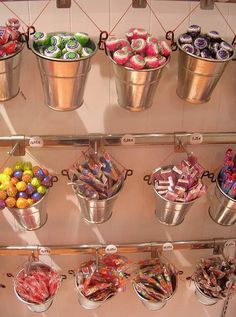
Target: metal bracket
<point>207,4</point>
<point>18,146</point>
<point>139,3</point>
<point>63,4</point>
<point>218,248</point>
<point>178,143</point>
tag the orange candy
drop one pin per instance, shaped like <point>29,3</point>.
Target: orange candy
<point>10,202</point>
<point>11,191</point>
<point>21,203</point>
<point>3,195</point>
<point>21,186</point>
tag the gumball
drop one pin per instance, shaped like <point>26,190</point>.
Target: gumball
<point>10,202</point>
<point>4,178</point>
<point>28,172</point>
<point>46,181</point>
<point>14,180</point>
<point>35,168</point>
<point>36,182</point>
<point>5,185</point>
<point>27,178</point>
<point>18,174</point>
<point>21,203</point>
<point>36,197</point>
<point>41,189</point>
<point>22,195</point>
<point>2,204</point>
<point>8,171</point>
<point>3,195</point>
<point>11,191</point>
<point>21,186</point>
<point>39,174</point>
<point>45,171</point>
<point>30,201</point>
<point>30,189</point>
<point>27,166</point>
<point>18,166</point>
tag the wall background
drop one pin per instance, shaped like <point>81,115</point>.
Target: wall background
<point>133,217</point>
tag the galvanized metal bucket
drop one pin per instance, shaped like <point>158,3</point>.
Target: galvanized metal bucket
<point>155,305</point>
<point>222,208</point>
<point>197,76</point>
<point>10,75</point>
<point>64,80</point>
<point>203,298</point>
<point>136,88</point>
<point>33,217</point>
<point>169,212</point>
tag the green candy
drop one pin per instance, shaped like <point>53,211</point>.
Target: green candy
<point>73,46</point>
<point>41,38</point>
<point>53,52</point>
<point>41,189</point>
<point>36,182</point>
<point>66,37</point>
<point>71,56</point>
<point>86,51</point>
<point>82,38</point>
<point>4,178</point>
<point>57,41</point>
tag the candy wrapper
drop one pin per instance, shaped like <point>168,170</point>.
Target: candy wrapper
<point>99,284</point>
<point>180,183</point>
<point>10,38</point>
<point>98,177</point>
<point>216,277</point>
<point>37,282</point>
<point>155,281</point>
<point>227,176</point>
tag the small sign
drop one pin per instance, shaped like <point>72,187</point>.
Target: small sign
<point>196,138</point>
<point>36,141</point>
<point>128,139</point>
<point>111,249</point>
<point>229,249</point>
<point>167,246</point>
<point>44,251</point>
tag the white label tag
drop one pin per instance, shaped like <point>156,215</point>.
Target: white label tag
<point>110,249</point>
<point>36,141</point>
<point>128,139</point>
<point>167,246</point>
<point>44,251</point>
<point>196,138</point>
<point>229,249</point>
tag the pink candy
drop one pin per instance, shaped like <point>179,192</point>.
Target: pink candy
<point>138,45</point>
<point>112,43</point>
<point>151,61</point>
<point>164,48</point>
<point>137,62</point>
<point>121,56</point>
<point>152,49</point>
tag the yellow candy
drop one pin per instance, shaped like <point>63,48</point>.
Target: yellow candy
<point>21,203</point>
<point>30,201</point>
<point>28,172</point>
<point>21,186</point>
<point>8,171</point>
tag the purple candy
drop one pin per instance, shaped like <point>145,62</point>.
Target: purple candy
<point>194,29</point>
<point>185,39</point>
<point>36,197</point>
<point>39,174</point>
<point>46,181</point>
<point>222,54</point>
<point>2,204</point>
<point>18,174</point>
<point>188,48</point>
<point>22,195</point>
<point>200,43</point>
<point>196,51</point>
<point>206,54</point>
<point>214,35</point>
<point>30,189</point>
<point>226,46</point>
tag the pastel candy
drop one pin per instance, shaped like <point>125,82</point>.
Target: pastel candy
<point>52,51</point>
<point>164,48</point>
<point>86,51</point>
<point>200,43</point>
<point>185,39</point>
<point>73,46</point>
<point>188,48</point>
<point>222,54</point>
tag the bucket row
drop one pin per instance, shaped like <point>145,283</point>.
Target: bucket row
<point>155,281</point>
<point>98,180</point>
<point>137,61</point>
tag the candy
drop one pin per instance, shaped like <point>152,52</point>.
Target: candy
<point>10,202</point>
<point>22,195</point>
<point>41,38</point>
<point>206,54</point>
<point>188,48</point>
<point>36,197</point>
<point>35,182</point>
<point>21,186</point>
<point>39,174</point>
<point>28,172</point>
<point>46,181</point>
<point>8,171</point>
<point>214,35</point>
<point>194,29</point>
<point>121,56</point>
<point>57,41</point>
<point>151,61</point>
<point>13,23</point>
<point>4,35</point>
<point>162,60</point>
<point>82,38</point>
<point>27,178</point>
<point>222,54</point>
<point>86,51</point>
<point>30,189</point>
<point>152,49</point>
<point>138,45</point>
<point>42,189</point>
<point>151,39</point>
<point>21,203</point>
<point>137,62</point>
<point>53,52</point>
<point>66,37</point>
<point>11,191</point>
<point>73,46</point>
<point>4,178</point>
<point>112,44</point>
<point>226,46</point>
<point>200,43</point>
<point>165,49</point>
<point>2,204</point>
<point>3,195</point>
<point>185,39</point>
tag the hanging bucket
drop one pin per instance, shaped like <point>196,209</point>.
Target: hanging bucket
<point>33,217</point>
<point>203,298</point>
<point>155,305</point>
<point>223,208</point>
<point>64,80</point>
<point>169,212</point>
<point>136,88</point>
<point>10,75</point>
<point>197,76</point>
<point>96,211</point>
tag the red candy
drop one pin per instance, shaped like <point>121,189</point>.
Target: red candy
<point>9,38</point>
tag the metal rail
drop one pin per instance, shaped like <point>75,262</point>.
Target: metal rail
<point>216,244</point>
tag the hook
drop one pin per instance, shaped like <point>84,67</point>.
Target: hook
<point>71,272</point>
<point>54,179</point>
<point>170,36</point>
<point>102,41</point>
<point>128,172</point>
<point>147,178</point>
<point>26,36</point>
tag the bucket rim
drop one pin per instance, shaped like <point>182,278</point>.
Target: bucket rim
<point>162,197</point>
<point>139,70</point>
<point>63,60</point>
<point>205,59</point>
<point>202,293</point>
<point>220,189</point>
<point>35,204</point>
<point>14,54</point>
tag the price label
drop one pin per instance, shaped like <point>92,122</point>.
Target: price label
<point>229,249</point>
<point>167,246</point>
<point>111,249</point>
<point>128,139</point>
<point>196,138</point>
<point>44,251</point>
<point>36,141</point>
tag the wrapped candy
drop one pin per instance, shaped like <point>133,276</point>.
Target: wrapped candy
<point>10,38</point>
<point>227,176</point>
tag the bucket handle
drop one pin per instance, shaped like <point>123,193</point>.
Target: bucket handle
<point>71,272</point>
<point>171,37</point>
<point>147,178</point>
<point>209,175</point>
<point>128,172</point>
<point>234,44</point>
<point>54,179</point>
<point>102,41</point>
<point>26,36</point>
<point>65,172</point>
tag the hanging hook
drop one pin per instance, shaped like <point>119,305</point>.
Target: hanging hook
<point>102,41</point>
<point>18,146</point>
<point>170,36</point>
<point>26,36</point>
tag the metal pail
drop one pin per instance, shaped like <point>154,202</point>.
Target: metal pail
<point>197,76</point>
<point>97,211</point>
<point>136,88</point>
<point>203,298</point>
<point>223,208</point>
<point>64,80</point>
<point>10,75</point>
<point>33,217</point>
<point>155,305</point>
<point>169,212</point>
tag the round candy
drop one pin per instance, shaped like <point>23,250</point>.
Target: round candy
<point>2,204</point>
<point>39,174</point>
<point>151,39</point>
<point>36,197</point>
<point>137,62</point>
<point>4,178</point>
<point>52,52</point>
<point>41,189</point>
<point>27,178</point>
<point>8,171</point>
<point>86,51</point>
<point>138,45</point>
<point>13,23</point>
<point>66,37</point>
<point>5,185</point>
<point>162,60</point>
<point>197,52</point>
<point>57,41</point>
<point>140,33</point>
<point>3,195</point>
<point>222,54</point>
<point>18,166</point>
<point>82,38</point>
<point>27,166</point>
<point>73,46</point>
<point>206,54</point>
<point>200,43</point>
<point>28,172</point>
<point>18,174</point>
<point>130,34</point>
<point>21,203</point>
<point>10,202</point>
<point>194,29</point>
<point>11,191</point>
<point>22,195</point>
<point>121,56</point>
<point>123,43</point>
<point>35,182</point>
<point>71,56</point>
<point>34,169</point>
<point>112,44</point>
<point>46,181</point>
<point>30,201</point>
<point>226,46</point>
<point>30,189</point>
<point>21,186</point>
<point>151,62</point>
<point>165,49</point>
<point>185,39</point>
<point>152,49</point>
<point>41,38</point>
<point>188,48</point>
<point>214,35</point>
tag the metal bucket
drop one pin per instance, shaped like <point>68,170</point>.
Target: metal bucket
<point>33,217</point>
<point>97,211</point>
<point>223,208</point>
<point>169,212</point>
<point>203,298</point>
<point>154,305</point>
<point>197,77</point>
<point>10,75</point>
<point>136,88</point>
<point>63,80</point>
